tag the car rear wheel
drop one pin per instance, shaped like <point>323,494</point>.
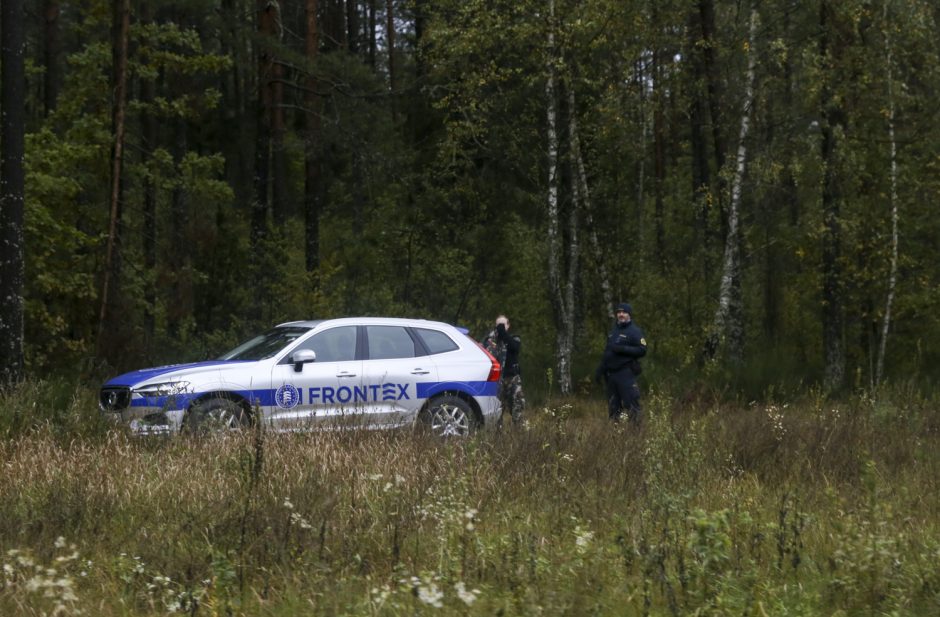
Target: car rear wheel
<point>449,416</point>
<point>215,415</point>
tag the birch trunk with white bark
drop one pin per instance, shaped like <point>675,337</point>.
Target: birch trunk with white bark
<point>727,326</point>
<point>893,272</point>
<point>563,351</point>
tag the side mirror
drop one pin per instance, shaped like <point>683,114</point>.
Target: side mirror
<point>301,357</point>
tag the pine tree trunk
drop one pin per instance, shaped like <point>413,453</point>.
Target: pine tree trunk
<point>120,35</point>
<point>51,42</point>
<point>261,206</point>
<point>727,326</point>
<point>713,83</point>
<point>149,230</point>
<point>312,190</point>
<point>352,26</point>
<point>280,208</point>
<point>12,179</point>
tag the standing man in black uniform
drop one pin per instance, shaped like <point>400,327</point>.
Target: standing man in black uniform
<point>620,366</point>
<point>505,348</point>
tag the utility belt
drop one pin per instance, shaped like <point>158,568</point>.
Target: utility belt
<point>633,366</point>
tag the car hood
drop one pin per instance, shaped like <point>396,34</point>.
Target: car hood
<point>171,371</point>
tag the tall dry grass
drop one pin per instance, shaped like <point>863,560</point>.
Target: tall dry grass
<point>757,509</point>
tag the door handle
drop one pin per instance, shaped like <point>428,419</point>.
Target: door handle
<point>419,371</point>
<point>341,375</point>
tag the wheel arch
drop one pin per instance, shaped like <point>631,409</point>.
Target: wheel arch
<point>464,396</point>
<point>235,397</point>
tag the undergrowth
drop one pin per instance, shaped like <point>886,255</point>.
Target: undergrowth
<point>794,507</point>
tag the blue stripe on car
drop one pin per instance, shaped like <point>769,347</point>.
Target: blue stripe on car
<point>474,388</point>
<point>266,398</point>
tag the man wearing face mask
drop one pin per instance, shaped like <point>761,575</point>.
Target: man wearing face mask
<point>620,366</point>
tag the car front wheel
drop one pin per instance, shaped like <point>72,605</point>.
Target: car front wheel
<point>215,415</point>
<point>449,416</point>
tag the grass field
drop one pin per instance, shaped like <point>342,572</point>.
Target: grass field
<point>811,507</point>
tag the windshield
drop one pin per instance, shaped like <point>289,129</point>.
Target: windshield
<point>266,345</point>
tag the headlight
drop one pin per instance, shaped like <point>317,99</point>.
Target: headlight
<point>168,388</point>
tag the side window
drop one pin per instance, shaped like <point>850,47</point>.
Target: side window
<point>333,345</point>
<point>386,342</point>
<point>436,341</point>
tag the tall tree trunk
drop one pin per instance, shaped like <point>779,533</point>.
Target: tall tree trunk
<point>352,26</point>
<point>709,47</point>
<point>280,208</point>
<point>659,157</point>
<point>51,44</point>
<point>312,189</point>
<point>642,117</point>
<point>727,324</point>
<point>372,26</point>
<point>566,332</point>
<point>390,43</point>
<point>893,144</point>
<point>581,184</point>
<point>260,209</point>
<point>120,27</point>
<point>833,120</point>
<point>701,178</point>
<point>180,259</point>
<point>12,179</point>
<point>149,231</point>
<point>554,226</point>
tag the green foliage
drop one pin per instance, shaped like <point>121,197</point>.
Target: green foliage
<point>433,197</point>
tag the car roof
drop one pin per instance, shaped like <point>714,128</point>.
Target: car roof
<point>368,321</point>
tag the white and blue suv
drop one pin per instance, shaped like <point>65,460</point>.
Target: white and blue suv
<point>368,372</point>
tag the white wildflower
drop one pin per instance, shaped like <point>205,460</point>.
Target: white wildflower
<point>467,597</point>
<point>431,595</point>
<point>583,538</point>
<point>471,516</point>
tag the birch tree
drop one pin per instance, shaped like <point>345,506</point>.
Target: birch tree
<point>893,203</point>
<point>563,349</point>
<point>727,325</point>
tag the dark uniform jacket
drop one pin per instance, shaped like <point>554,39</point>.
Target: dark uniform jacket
<point>505,348</point>
<point>625,345</point>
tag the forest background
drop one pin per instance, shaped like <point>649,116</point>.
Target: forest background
<point>756,178</point>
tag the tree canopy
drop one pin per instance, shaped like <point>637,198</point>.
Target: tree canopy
<point>401,159</point>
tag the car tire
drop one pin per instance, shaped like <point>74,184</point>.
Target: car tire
<point>215,415</point>
<point>449,416</point>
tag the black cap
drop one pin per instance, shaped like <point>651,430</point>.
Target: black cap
<point>626,308</point>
